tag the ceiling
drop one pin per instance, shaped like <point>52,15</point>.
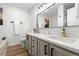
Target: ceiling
<point>26,6</point>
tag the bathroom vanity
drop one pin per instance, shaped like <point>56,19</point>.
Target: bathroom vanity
<point>42,45</point>
<point>58,15</point>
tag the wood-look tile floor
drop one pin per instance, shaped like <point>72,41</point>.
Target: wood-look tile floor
<point>16,50</point>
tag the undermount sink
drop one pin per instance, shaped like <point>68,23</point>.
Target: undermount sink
<point>64,39</point>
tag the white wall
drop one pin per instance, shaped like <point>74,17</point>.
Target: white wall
<point>33,17</point>
<point>32,20</point>
<point>15,14</point>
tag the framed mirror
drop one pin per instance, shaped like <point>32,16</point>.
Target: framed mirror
<point>59,15</point>
<point>49,18</point>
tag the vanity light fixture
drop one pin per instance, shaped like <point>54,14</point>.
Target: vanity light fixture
<point>42,5</point>
<point>12,21</point>
<point>20,22</point>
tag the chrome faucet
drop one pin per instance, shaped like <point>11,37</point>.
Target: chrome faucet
<point>63,32</point>
<point>35,30</point>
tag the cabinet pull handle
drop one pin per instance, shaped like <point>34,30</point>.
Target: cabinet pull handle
<point>51,51</point>
<point>33,46</point>
<point>45,49</point>
<point>27,38</point>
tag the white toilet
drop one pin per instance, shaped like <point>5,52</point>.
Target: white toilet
<point>23,42</point>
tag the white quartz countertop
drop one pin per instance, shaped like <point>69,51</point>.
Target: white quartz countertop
<point>72,46</point>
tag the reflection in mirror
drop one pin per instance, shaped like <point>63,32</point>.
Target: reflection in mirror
<point>59,15</point>
<point>71,14</point>
<point>48,18</point>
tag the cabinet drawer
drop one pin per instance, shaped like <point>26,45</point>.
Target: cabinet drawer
<point>34,48</point>
<point>34,40</point>
<point>64,52</point>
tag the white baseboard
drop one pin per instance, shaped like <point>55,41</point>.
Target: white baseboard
<point>14,44</point>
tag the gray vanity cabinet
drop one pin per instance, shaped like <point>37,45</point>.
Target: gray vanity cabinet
<point>30,44</point>
<point>38,47</point>
<point>42,48</point>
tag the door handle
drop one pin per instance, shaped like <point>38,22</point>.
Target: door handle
<point>45,51</point>
<point>51,51</point>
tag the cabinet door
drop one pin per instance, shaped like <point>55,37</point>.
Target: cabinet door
<point>61,52</point>
<point>51,49</point>
<point>57,51</point>
<point>42,48</point>
<point>29,44</point>
<point>53,52</point>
